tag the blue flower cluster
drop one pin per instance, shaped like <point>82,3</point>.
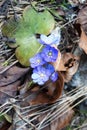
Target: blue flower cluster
<point>42,69</point>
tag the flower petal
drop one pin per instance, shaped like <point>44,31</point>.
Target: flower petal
<point>35,76</point>
<point>37,60</point>
<point>49,53</point>
<point>40,75</point>
<point>54,76</point>
<point>43,39</point>
<point>53,38</point>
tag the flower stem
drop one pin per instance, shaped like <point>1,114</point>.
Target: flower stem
<point>30,83</point>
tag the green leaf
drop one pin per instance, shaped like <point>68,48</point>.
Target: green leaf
<point>8,118</point>
<point>24,31</point>
<point>27,50</point>
<point>40,22</point>
<point>9,27</point>
<point>1,117</point>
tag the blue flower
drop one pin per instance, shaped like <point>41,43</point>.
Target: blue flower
<point>37,60</point>
<point>49,53</point>
<point>50,67</point>
<point>40,75</point>
<point>54,76</point>
<point>53,38</point>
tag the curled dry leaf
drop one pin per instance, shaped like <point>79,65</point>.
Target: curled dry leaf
<point>80,78</point>
<point>64,61</point>
<point>82,20</point>
<point>67,63</point>
<point>59,63</point>
<point>83,41</point>
<point>45,94</point>
<point>70,72</point>
<point>71,63</point>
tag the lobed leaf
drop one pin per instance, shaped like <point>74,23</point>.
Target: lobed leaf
<point>24,31</point>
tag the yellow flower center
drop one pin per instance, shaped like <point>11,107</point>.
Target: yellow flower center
<point>38,61</point>
<point>42,75</point>
<point>50,53</point>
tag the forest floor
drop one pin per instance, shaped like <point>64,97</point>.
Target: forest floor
<point>59,105</point>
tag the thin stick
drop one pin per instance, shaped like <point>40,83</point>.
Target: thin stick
<point>8,67</point>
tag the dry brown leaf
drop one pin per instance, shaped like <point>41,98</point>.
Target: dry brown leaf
<point>8,91</point>
<point>70,72</point>
<point>59,63</point>
<point>68,59</point>
<point>10,81</point>
<point>71,62</point>
<point>64,61</point>
<point>83,41</point>
<point>12,75</point>
<point>82,18</point>
<point>49,94</point>
<point>68,64</point>
<point>5,125</point>
<point>62,121</point>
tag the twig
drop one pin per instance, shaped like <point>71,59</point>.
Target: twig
<point>62,26</point>
<point>8,67</point>
<point>23,118</point>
